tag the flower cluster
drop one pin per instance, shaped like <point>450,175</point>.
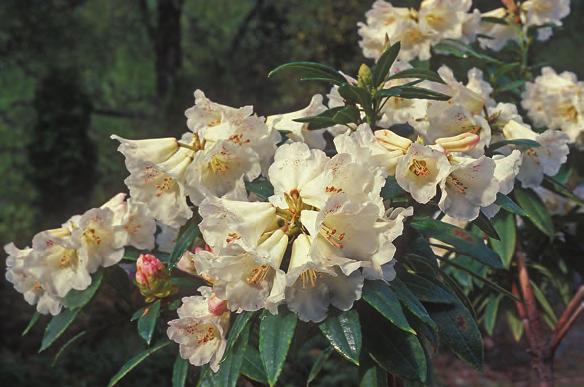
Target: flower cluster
<point>63,259</point>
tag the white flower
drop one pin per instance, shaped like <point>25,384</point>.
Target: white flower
<point>539,161</point>
<point>154,151</point>
<point>138,225</point>
<point>18,273</point>
<point>477,84</point>
<point>506,170</point>
<point>298,131</point>
<point>60,267</point>
<point>540,12</point>
<point>314,282</point>
<point>499,34</point>
<point>469,186</point>
<point>199,333</point>
<point>471,26</point>
<point>420,171</point>
<point>443,19</point>
<point>166,238</point>
<point>251,279</point>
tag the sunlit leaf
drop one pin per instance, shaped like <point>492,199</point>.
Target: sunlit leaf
<point>134,361</point>
<point>504,223</point>
<point>147,321</point>
<point>79,298</point>
<point>535,209</point>
<point>383,299</point>
<point>306,71</point>
<point>57,326</point>
<point>343,331</point>
<point>276,332</point>
<point>384,64</point>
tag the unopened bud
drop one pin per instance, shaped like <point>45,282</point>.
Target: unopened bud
<point>152,278</point>
<point>459,143</point>
<point>364,78</point>
<point>216,305</point>
<point>392,142</point>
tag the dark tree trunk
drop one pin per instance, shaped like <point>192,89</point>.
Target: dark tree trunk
<point>167,39</point>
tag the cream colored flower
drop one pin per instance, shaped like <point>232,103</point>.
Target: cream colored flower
<point>540,12</point>
<point>498,34</point>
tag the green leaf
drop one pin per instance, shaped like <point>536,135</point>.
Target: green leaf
<point>486,226</point>
<point>411,302</point>
<point>462,50</point>
<point>504,223</point>
<point>521,142</point>
<point>347,115</point>
<point>134,361</point>
<point>491,313</point>
<point>459,331</point>
<point>494,20</point>
<point>414,92</point>
<point>511,86</point>
<point>188,233</point>
<point>397,352</point>
<point>418,73</point>
<point>276,332</point>
<point>147,321</point>
<point>384,63</point>
<point>371,375</point>
<point>67,345</point>
<point>383,299</point>
<point>137,314</point>
<point>80,298</point>
<point>536,211</point>
<point>552,184</point>
<point>180,369</point>
<point>357,95</point>
<point>322,120</point>
<point>57,326</point>
<point>386,93</point>
<point>391,189</point>
<point>509,205</point>
<point>426,290</point>
<point>252,365</point>
<point>261,187</point>
<point>240,322</point>
<point>343,331</point>
<point>544,303</point>
<point>231,366</point>
<point>515,325</point>
<point>317,366</point>
<point>307,71</point>
<point>33,320</point>
<point>463,241</point>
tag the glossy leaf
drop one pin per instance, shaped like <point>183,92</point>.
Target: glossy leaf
<point>80,298</point>
<point>371,375</point>
<point>383,299</point>
<point>418,73</point>
<point>318,364</point>
<point>384,63</point>
<point>504,223</point>
<point>135,361</point>
<point>458,330</point>
<point>515,325</point>
<point>180,369</point>
<point>188,233</point>
<point>276,332</point>
<point>536,210</point>
<point>509,205</point>
<point>230,368</point>
<point>386,93</point>
<point>33,320</point>
<point>411,302</point>
<point>357,95</point>
<point>240,322</point>
<point>426,290</point>
<point>306,71</point>
<point>252,366</point>
<point>464,242</point>
<point>261,187</point>
<point>522,142</point>
<point>486,226</point>
<point>347,115</point>
<point>544,303</point>
<point>491,313</point>
<point>322,120</point>
<point>462,50</point>
<point>67,345</point>
<point>57,326</point>
<point>147,321</point>
<point>343,331</point>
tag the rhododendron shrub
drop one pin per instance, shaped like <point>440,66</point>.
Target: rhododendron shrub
<point>378,218</point>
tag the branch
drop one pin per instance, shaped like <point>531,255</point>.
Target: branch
<point>566,321</point>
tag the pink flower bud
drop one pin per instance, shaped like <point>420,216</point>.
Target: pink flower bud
<point>216,305</point>
<point>148,269</point>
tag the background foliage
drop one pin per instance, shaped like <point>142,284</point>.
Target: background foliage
<point>73,72</point>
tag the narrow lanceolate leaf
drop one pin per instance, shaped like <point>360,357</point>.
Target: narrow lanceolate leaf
<point>491,312</point>
<point>398,353</point>
<point>462,50</point>
<point>536,211</point>
<point>261,187</point>
<point>511,86</point>
<point>495,20</point>
<point>391,92</point>
<point>33,320</point>
<point>317,366</point>
<point>521,142</point>
<point>418,73</point>
<point>411,302</point>
<point>426,290</point>
<point>147,322</point>
<point>134,361</point>
<point>276,332</point>
<point>544,303</point>
<point>57,326</point>
<point>229,370</point>
<point>347,115</point>
<point>509,205</point>
<point>382,298</point>
<point>343,331</point>
<point>240,322</point>
<point>306,71</point>
<point>322,120</point>
<point>357,95</point>
<point>67,345</point>
<point>180,370</point>
<point>504,223</point>
<point>252,366</point>
<point>464,242</point>
<point>458,330</point>
<point>486,226</point>
<point>384,63</point>
<point>189,232</point>
<point>371,375</point>
<point>79,298</point>
<point>414,92</point>
<point>554,185</point>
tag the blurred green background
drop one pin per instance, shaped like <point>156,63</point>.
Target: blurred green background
<point>72,72</point>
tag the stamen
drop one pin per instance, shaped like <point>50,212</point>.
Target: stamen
<point>419,168</point>
<point>456,184</point>
<point>332,236</point>
<point>308,278</point>
<point>258,274</point>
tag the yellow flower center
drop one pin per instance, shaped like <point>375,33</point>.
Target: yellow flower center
<point>258,274</point>
<point>68,258</point>
<point>308,278</point>
<point>419,168</point>
<point>331,234</point>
